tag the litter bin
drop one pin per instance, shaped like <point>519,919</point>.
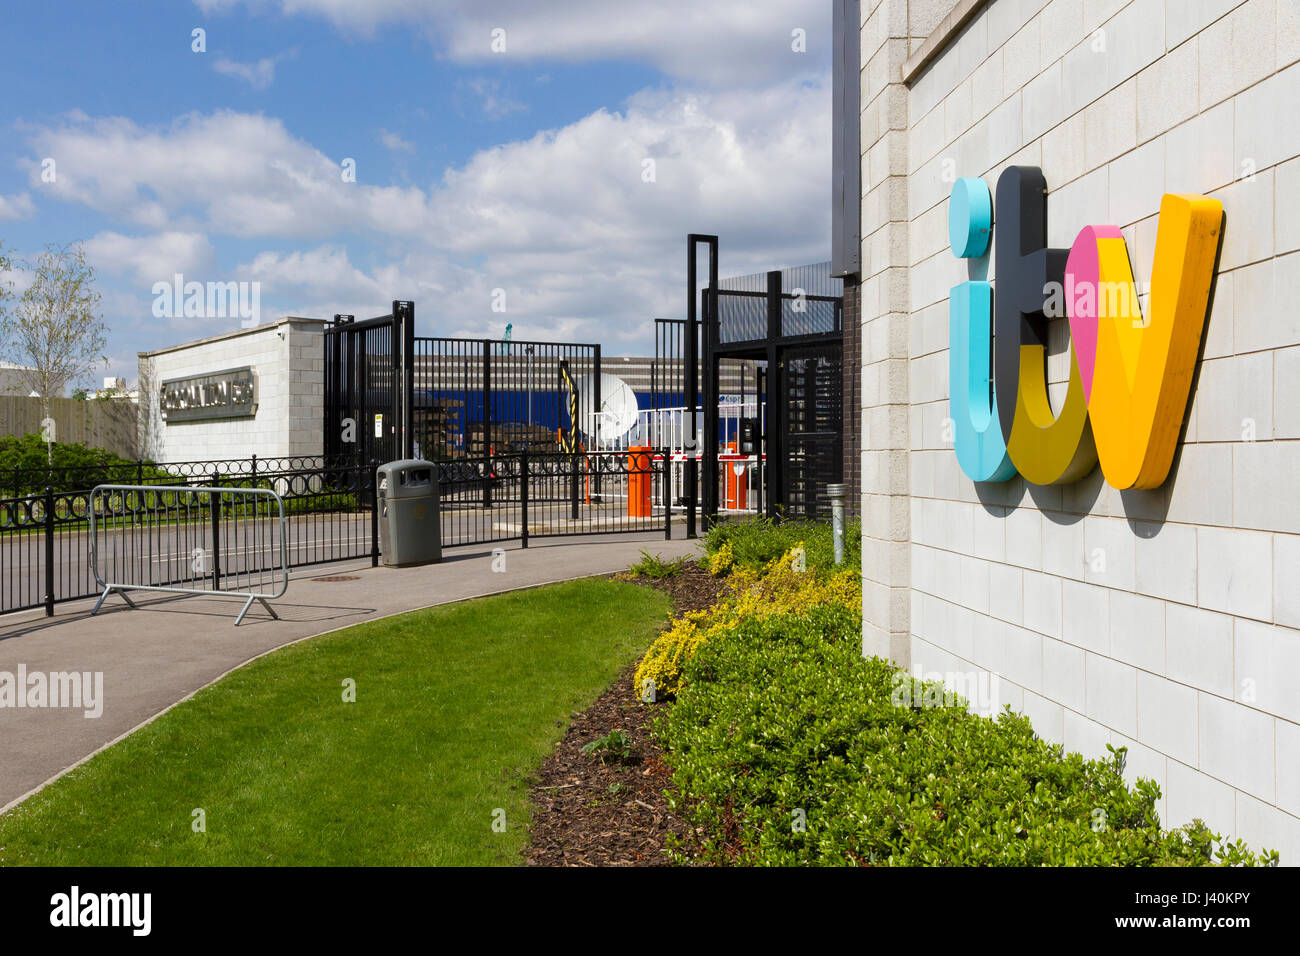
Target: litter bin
<point>410,529</point>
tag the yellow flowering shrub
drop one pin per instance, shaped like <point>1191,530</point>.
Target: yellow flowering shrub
<point>779,588</point>
<point>720,561</point>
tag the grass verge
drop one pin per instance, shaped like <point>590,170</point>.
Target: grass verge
<point>455,706</point>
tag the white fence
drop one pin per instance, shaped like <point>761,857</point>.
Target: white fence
<point>667,430</point>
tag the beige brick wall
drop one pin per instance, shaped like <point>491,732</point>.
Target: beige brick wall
<point>288,360</point>
<point>1165,621</point>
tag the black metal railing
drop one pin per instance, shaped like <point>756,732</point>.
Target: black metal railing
<point>330,509</point>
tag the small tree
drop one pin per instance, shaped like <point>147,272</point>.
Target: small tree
<point>54,331</point>
<point>5,284</point>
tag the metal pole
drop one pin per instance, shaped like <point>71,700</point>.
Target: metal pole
<point>596,420</point>
<point>49,551</point>
<point>690,383</point>
<point>773,436</point>
<point>836,493</point>
<point>523,493</point>
<point>214,510</point>
<point>760,435</point>
<point>575,479</point>
<point>665,481</point>
<point>407,313</point>
<point>487,422</point>
<point>374,514</point>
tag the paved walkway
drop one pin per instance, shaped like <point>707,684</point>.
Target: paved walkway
<point>172,645</point>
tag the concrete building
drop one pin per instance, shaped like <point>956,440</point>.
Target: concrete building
<point>1165,620</point>
<point>255,391</point>
<point>15,380</point>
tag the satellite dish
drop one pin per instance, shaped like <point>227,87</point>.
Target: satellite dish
<point>618,408</point>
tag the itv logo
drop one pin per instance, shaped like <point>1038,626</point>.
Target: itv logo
<point>1130,372</point>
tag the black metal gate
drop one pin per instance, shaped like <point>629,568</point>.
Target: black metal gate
<point>390,394</point>
<point>362,389</point>
<point>509,424</point>
<point>788,325</point>
<point>478,397</point>
<point>812,426</point>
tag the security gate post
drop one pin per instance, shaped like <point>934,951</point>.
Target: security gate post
<point>374,513</point>
<point>487,423</point>
<point>523,493</point>
<point>214,510</point>
<point>49,551</point>
<point>665,481</point>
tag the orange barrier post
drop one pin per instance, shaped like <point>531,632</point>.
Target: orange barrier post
<point>737,485</point>
<point>639,484</point>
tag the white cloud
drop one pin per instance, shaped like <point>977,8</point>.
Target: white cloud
<point>326,271</point>
<point>564,221</point>
<point>493,102</point>
<point>394,143</point>
<point>17,206</point>
<point>243,174</point>
<point>153,258</point>
<point>722,42</point>
<point>259,75</point>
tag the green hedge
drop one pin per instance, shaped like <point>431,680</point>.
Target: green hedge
<point>756,541</point>
<point>76,467</point>
<point>788,747</point>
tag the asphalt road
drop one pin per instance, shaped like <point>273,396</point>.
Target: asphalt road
<point>182,553</point>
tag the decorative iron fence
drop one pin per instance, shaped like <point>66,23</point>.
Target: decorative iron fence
<point>330,511</point>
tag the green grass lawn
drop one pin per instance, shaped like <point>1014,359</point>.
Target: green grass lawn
<point>455,706</point>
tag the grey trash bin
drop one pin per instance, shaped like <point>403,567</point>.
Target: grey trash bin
<point>410,529</point>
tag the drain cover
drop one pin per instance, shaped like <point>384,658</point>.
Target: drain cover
<point>338,577</point>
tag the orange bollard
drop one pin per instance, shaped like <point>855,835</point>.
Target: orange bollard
<point>737,485</point>
<point>639,483</point>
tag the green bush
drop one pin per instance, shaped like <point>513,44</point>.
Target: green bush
<point>75,467</point>
<point>655,568</point>
<point>322,498</point>
<point>756,542</point>
<point>788,748</point>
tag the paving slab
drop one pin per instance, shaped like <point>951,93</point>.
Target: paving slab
<point>169,646</point>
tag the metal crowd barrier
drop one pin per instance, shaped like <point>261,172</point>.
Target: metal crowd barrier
<point>189,539</point>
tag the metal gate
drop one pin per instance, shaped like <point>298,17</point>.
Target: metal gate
<point>390,394</point>
<point>512,426</point>
<point>787,326</point>
<point>812,426</point>
<point>477,397</point>
<point>363,373</point>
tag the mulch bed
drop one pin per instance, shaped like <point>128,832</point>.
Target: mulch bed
<point>612,813</point>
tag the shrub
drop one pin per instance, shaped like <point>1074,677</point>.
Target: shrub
<point>755,542</point>
<point>655,568</point>
<point>76,467</point>
<point>777,588</point>
<point>787,747</point>
<point>615,746</point>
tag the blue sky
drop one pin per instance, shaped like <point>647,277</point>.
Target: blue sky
<point>477,169</point>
